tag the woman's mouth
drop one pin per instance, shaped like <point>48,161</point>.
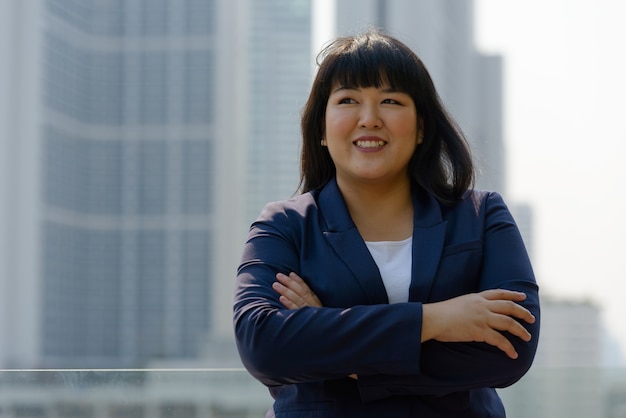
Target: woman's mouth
<point>369,142</point>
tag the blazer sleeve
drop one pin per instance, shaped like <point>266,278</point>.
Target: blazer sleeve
<point>451,367</point>
<point>281,346</point>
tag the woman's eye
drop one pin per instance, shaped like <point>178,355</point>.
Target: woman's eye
<point>347,100</point>
<point>391,101</point>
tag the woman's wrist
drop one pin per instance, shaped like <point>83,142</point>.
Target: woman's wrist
<point>429,321</point>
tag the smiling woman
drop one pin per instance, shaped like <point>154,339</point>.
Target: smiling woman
<point>388,287</point>
<point>441,166</point>
<point>371,134</point>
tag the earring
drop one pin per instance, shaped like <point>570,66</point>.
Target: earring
<point>323,142</point>
<point>420,140</point>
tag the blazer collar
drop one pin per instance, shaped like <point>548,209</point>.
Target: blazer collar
<point>429,232</point>
<point>342,234</point>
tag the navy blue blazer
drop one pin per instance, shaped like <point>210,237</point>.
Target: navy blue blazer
<point>304,356</point>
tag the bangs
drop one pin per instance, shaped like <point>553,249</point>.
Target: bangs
<point>373,63</point>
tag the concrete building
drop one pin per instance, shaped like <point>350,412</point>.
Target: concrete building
<point>20,178</point>
<point>139,140</point>
<point>118,108</point>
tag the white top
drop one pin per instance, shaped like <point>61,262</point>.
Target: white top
<point>393,259</point>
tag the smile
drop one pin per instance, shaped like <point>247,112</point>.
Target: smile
<point>369,143</point>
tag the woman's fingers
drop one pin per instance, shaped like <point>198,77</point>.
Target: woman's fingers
<point>507,304</point>
<point>503,294</point>
<point>287,296</point>
<point>506,323</point>
<point>498,340</point>
<point>479,317</point>
<point>294,292</point>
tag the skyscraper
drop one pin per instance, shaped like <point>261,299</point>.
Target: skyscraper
<point>279,80</point>
<point>139,139</point>
<point>19,150</point>
<point>127,169</point>
<point>265,74</point>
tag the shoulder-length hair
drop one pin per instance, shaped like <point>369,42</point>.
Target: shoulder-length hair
<point>441,165</point>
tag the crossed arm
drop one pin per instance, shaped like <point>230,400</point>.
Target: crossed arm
<point>492,327</point>
<point>475,317</point>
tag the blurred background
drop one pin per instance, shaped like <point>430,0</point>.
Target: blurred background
<point>140,138</point>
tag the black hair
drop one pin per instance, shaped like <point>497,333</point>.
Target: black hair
<point>441,165</point>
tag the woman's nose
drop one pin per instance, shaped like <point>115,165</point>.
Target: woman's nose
<point>370,117</point>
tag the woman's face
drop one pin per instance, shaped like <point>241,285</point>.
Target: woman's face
<point>371,133</point>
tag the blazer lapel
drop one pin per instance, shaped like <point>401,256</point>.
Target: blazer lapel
<point>429,231</point>
<point>343,236</point>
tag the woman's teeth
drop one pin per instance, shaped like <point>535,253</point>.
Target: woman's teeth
<point>370,144</point>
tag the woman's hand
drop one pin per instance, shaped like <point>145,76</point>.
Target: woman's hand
<point>294,292</point>
<point>478,317</point>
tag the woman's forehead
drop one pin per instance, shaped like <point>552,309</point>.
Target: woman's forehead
<point>385,87</point>
<point>362,77</point>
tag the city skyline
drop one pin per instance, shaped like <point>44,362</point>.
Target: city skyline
<point>553,66</point>
<point>263,141</point>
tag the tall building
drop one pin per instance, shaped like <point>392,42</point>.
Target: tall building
<point>120,197</point>
<point>264,82</point>
<point>441,32</point>
<point>279,80</point>
<point>139,139</point>
<point>20,178</point>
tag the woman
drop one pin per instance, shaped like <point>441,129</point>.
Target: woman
<point>388,288</point>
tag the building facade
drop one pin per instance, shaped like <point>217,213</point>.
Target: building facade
<point>140,139</point>
<point>127,153</point>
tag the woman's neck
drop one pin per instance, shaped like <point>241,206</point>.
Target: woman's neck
<point>380,212</point>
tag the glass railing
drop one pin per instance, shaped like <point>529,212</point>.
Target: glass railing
<point>232,393</point>
<point>140,393</point>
